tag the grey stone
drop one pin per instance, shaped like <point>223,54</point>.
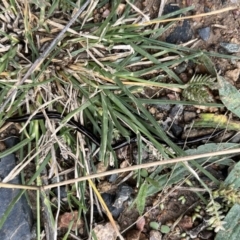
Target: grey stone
<point>163,107</point>
<point>181,34</point>
<point>169,8</point>
<point>230,47</point>
<point>122,195</point>
<point>112,178</point>
<point>176,130</point>
<point>109,200</point>
<point>155,235</point>
<point>204,33</point>
<point>207,9</point>
<point>11,141</point>
<point>180,68</point>
<point>188,116</point>
<point>176,112</point>
<point>19,222</point>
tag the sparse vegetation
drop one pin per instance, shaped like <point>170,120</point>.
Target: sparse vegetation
<point>99,72</point>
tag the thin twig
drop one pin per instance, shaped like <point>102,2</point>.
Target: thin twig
<point>127,169</point>
<point>187,17</point>
<point>145,165</point>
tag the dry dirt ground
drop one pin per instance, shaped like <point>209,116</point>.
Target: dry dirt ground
<point>224,28</point>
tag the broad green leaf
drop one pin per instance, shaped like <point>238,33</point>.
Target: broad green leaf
<point>229,95</point>
<point>165,229</point>
<point>154,225</point>
<point>144,173</point>
<point>160,182</point>
<point>211,147</point>
<point>232,227</point>
<point>141,198</point>
<point>153,182</point>
<point>233,177</point>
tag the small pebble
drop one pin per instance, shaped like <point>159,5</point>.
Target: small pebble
<point>123,194</point>
<point>233,74</point>
<point>207,9</point>
<point>105,13</point>
<point>155,235</point>
<point>184,77</point>
<point>169,8</point>
<point>189,116</point>
<point>2,146</point>
<point>204,33</point>
<point>180,68</point>
<point>231,47</point>
<point>112,178</point>
<point>105,231</point>
<point>176,112</point>
<point>109,200</point>
<point>176,130</point>
<point>163,107</point>
<point>181,34</point>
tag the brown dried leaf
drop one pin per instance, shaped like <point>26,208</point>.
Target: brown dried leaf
<point>65,220</point>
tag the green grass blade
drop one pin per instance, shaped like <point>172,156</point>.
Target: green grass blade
<point>104,134</point>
